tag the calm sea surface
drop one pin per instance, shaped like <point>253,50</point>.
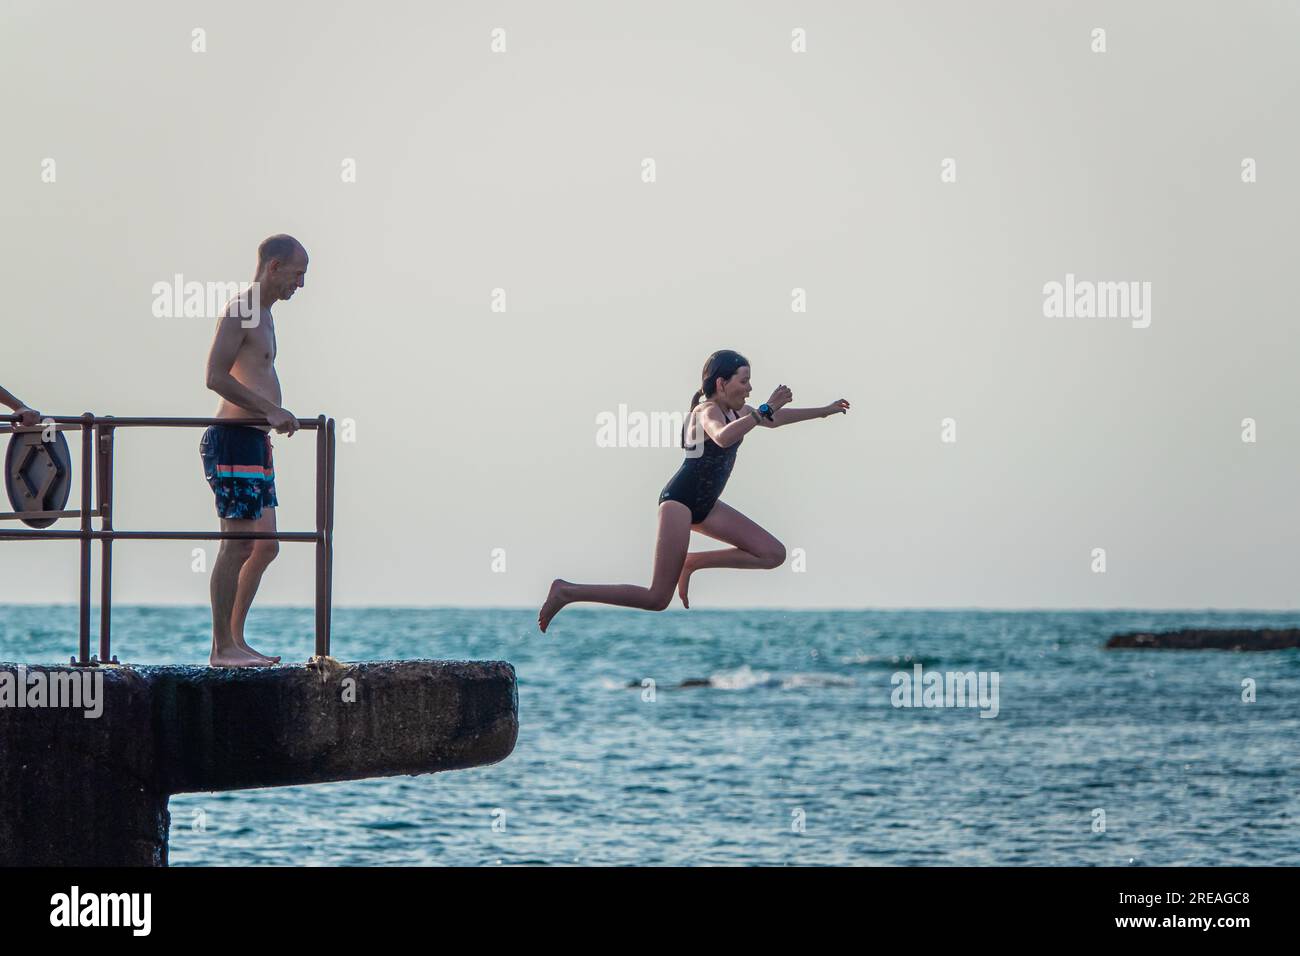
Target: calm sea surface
<point>791,753</point>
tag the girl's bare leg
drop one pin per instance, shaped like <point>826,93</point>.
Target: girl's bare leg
<point>674,537</point>
<point>754,546</point>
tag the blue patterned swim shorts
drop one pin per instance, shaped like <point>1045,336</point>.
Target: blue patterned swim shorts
<point>237,463</point>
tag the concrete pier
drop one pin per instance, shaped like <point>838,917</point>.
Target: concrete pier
<point>78,790</point>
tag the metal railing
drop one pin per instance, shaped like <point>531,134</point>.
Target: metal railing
<point>97,443</point>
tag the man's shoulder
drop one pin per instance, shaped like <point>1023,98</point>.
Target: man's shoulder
<point>234,317</point>
<point>232,311</point>
<point>244,305</point>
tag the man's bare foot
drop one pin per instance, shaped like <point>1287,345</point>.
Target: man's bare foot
<point>237,657</point>
<point>684,581</point>
<point>243,646</point>
<point>556,598</point>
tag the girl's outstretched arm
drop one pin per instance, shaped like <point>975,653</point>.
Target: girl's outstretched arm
<point>788,416</point>
<point>724,433</point>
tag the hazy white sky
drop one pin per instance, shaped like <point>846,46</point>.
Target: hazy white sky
<point>523,170</point>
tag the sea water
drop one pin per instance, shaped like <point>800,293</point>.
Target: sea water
<point>792,743</point>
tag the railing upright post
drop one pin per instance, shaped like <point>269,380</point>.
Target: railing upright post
<point>322,575</point>
<point>105,433</point>
<point>329,533</point>
<point>87,460</point>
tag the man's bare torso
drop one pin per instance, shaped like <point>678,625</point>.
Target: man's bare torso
<point>254,368</point>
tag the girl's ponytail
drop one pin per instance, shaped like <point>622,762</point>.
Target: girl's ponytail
<point>695,400</point>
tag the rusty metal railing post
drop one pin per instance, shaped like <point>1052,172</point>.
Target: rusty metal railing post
<point>87,457</point>
<point>322,572</point>
<point>105,473</point>
<point>329,533</point>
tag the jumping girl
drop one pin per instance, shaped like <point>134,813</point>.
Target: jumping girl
<point>689,502</point>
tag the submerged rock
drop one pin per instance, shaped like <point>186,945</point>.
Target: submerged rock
<point>1210,639</point>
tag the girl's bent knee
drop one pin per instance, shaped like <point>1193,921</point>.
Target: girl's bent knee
<point>659,602</point>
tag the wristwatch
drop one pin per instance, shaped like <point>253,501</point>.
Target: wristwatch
<point>766,411</point>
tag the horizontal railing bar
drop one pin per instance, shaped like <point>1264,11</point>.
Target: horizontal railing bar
<point>167,535</point>
<point>159,422</point>
<point>19,515</point>
<point>209,535</point>
<point>21,429</point>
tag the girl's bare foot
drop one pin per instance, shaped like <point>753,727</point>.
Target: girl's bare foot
<point>684,582</point>
<point>556,598</point>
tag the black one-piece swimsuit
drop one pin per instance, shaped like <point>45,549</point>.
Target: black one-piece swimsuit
<point>699,481</point>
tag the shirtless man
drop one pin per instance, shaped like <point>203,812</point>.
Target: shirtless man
<point>237,458</point>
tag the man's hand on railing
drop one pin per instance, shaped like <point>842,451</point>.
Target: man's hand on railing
<point>283,421</point>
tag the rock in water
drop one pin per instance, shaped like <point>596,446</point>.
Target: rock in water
<point>1201,639</point>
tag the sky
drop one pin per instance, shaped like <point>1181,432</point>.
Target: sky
<point>921,172</point>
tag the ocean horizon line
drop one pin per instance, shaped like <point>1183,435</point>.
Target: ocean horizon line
<point>937,608</point>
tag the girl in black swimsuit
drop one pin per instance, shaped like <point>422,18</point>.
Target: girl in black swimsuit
<point>689,502</point>
<point>699,482</point>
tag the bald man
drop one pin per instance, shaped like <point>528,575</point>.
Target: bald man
<point>237,458</point>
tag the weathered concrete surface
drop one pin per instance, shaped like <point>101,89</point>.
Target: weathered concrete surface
<point>93,792</point>
<point>77,790</point>
<point>1194,639</point>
